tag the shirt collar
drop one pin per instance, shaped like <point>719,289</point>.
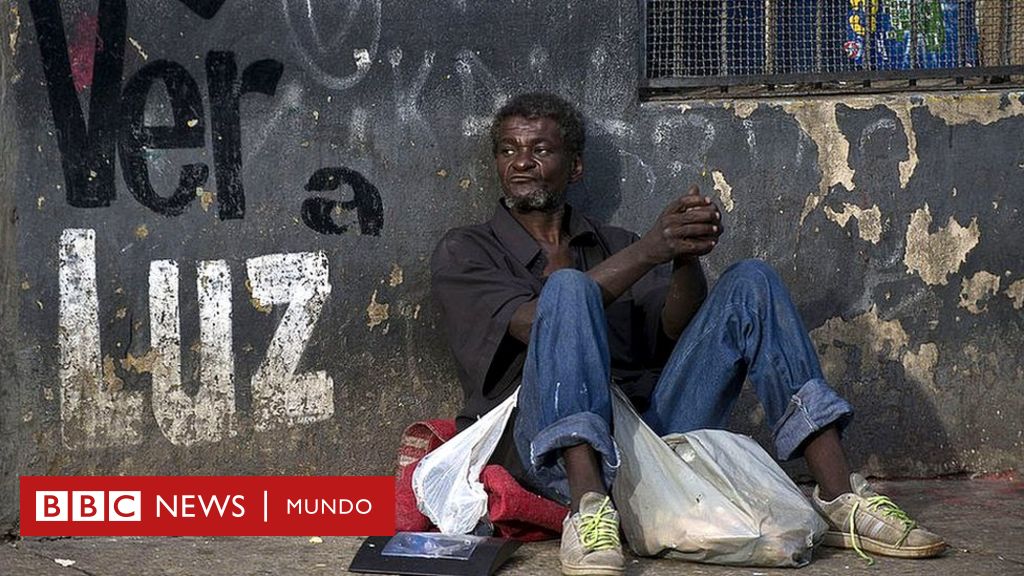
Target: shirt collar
<point>523,247</point>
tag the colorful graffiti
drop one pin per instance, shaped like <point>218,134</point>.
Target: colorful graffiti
<point>910,34</point>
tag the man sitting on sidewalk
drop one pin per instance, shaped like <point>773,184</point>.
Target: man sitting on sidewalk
<point>542,297</point>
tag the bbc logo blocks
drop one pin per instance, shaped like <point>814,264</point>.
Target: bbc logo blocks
<point>89,506</point>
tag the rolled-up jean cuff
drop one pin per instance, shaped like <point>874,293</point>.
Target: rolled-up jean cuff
<point>578,428</point>
<point>814,406</point>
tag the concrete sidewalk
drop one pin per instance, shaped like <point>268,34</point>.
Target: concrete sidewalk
<point>983,521</point>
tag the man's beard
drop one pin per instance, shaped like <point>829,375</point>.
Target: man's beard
<point>539,200</point>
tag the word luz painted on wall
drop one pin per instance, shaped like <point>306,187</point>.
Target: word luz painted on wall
<point>96,411</point>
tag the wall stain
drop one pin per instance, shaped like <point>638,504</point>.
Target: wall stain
<point>920,366</point>
<point>873,340</point>
<point>936,256</point>
<point>1015,292</point>
<point>113,382</point>
<point>901,107</point>
<point>818,121</point>
<point>873,337</point>
<point>724,190</point>
<point>206,198</point>
<point>15,29</point>
<point>744,108</point>
<point>259,305</point>
<point>817,118</point>
<point>396,276</point>
<point>985,109</point>
<point>140,364</point>
<point>908,166</point>
<point>376,312</point>
<point>976,289</point>
<point>869,220</point>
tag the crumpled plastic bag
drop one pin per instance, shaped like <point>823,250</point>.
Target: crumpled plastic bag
<point>447,480</point>
<point>708,496</point>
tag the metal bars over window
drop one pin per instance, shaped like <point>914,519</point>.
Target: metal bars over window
<point>820,45</point>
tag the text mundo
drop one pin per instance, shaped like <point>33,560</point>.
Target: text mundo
<point>337,506</point>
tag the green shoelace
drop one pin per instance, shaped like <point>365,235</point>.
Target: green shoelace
<point>885,507</point>
<point>599,530</point>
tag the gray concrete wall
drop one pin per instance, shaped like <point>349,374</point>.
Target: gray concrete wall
<point>224,215</point>
<point>9,389</point>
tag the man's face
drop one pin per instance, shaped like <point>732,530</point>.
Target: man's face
<point>533,165</point>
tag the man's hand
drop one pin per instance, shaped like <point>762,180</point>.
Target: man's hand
<point>688,227</point>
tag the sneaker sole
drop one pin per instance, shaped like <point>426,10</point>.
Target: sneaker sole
<point>569,570</point>
<point>843,540</point>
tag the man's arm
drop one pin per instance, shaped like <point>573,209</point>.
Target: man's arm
<point>687,228</point>
<point>685,295</point>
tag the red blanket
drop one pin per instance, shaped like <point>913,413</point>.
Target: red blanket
<point>515,512</point>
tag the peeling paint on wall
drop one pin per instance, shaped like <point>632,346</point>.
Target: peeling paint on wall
<point>873,340</point>
<point>1015,292</point>
<point>15,29</point>
<point>882,337</point>
<point>977,289</point>
<point>873,337</point>
<point>985,109</point>
<point>907,167</point>
<point>396,277</point>
<point>901,107</point>
<point>936,256</point>
<point>869,221</point>
<point>141,364</point>
<point>920,366</point>
<point>817,118</point>
<point>724,190</point>
<point>376,312</point>
<point>206,198</point>
<point>744,108</point>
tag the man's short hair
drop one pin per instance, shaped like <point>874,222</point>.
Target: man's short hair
<point>541,105</point>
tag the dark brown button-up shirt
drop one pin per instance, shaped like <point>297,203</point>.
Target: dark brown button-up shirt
<point>481,274</point>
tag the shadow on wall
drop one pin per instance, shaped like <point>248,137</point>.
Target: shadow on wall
<point>599,194</point>
<point>896,430</point>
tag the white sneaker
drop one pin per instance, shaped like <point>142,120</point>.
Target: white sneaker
<point>590,539</point>
<point>864,519</point>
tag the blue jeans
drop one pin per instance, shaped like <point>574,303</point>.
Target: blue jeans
<point>747,327</point>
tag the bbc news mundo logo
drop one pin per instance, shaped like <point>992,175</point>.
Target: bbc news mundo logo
<point>207,505</point>
<point>89,506</point>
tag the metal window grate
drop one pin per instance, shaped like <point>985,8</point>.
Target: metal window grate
<point>768,43</point>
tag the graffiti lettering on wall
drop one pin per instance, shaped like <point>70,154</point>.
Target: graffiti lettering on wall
<point>116,125</point>
<point>96,411</point>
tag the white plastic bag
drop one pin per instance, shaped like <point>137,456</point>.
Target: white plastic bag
<point>708,496</point>
<point>447,481</point>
